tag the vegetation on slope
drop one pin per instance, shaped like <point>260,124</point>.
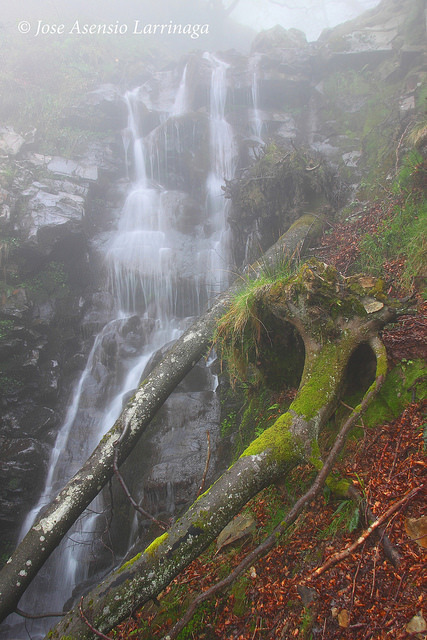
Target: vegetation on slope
<point>385,457</point>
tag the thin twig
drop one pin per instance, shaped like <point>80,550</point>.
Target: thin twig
<point>390,550</point>
<point>374,572</point>
<point>87,623</point>
<point>291,516</point>
<point>324,629</point>
<point>38,616</point>
<point>355,579</point>
<point>399,586</point>
<point>395,457</point>
<point>347,406</point>
<point>337,557</point>
<point>208,457</point>
<point>127,493</point>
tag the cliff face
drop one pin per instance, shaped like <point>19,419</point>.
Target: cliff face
<point>342,102</point>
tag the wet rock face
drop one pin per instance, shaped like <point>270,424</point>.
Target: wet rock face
<point>165,471</point>
<point>47,219</point>
<point>182,163</point>
<point>99,110</point>
<point>22,475</point>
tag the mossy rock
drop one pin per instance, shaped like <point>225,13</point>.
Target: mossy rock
<point>404,384</point>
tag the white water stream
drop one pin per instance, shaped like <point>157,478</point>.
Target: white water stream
<point>146,258</point>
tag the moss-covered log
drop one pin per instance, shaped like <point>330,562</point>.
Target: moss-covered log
<point>334,316</point>
<point>56,519</point>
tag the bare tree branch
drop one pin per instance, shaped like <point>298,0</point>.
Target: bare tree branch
<point>38,616</point>
<point>127,493</point>
<point>87,623</point>
<point>337,557</point>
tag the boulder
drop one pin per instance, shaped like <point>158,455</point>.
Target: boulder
<point>279,38</point>
<point>49,217</point>
<point>11,142</point>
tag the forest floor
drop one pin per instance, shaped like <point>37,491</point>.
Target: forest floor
<point>364,596</point>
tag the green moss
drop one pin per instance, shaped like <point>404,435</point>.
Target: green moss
<point>320,383</point>
<point>238,590</point>
<point>150,550</point>
<point>381,369</point>
<point>315,458</point>
<point>129,563</point>
<point>338,486</point>
<point>402,382</point>
<point>279,440</point>
<point>316,222</point>
<point>203,519</point>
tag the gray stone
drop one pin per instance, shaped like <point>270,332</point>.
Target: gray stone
<point>72,169</point>
<point>51,217</point>
<point>11,142</point>
<point>279,38</point>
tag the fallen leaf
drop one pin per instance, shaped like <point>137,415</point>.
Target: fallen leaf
<point>416,528</point>
<point>241,526</point>
<point>344,618</point>
<point>417,624</point>
<point>371,305</point>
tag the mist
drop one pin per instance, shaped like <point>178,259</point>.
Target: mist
<point>228,23</point>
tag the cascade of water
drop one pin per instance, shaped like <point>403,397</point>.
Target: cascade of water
<point>180,105</point>
<point>223,156</point>
<point>257,121</point>
<point>52,479</point>
<point>145,259</point>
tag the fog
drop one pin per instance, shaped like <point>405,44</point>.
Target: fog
<point>221,16</point>
<point>311,16</point>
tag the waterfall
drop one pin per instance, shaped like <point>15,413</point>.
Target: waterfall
<point>180,105</point>
<point>257,121</point>
<point>223,157</point>
<point>159,277</point>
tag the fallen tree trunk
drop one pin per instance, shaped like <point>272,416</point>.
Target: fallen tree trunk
<point>268,543</point>
<point>308,301</point>
<point>57,518</point>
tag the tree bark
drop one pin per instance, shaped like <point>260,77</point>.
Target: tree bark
<point>306,300</point>
<point>57,518</point>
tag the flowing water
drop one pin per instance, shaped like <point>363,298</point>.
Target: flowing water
<point>160,277</point>
<point>257,120</point>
